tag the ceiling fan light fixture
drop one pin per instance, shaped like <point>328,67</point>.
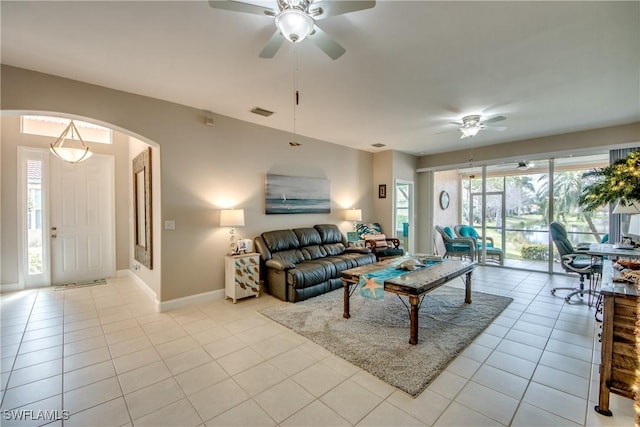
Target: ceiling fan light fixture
<point>469,131</point>
<point>294,24</point>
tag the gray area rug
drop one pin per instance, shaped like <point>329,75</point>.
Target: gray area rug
<point>376,337</point>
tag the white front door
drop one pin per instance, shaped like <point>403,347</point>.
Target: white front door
<point>82,220</point>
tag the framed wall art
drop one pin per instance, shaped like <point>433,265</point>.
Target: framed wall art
<point>382,191</point>
<point>295,195</point>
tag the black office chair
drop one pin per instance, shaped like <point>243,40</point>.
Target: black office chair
<point>574,261</point>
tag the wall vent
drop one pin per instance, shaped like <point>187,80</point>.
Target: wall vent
<point>378,145</point>
<point>261,111</point>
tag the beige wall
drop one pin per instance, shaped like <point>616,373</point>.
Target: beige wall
<point>11,140</point>
<point>203,168</point>
<point>446,181</point>
<point>151,277</point>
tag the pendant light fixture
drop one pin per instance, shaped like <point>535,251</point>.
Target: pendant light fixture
<point>293,21</point>
<point>76,150</point>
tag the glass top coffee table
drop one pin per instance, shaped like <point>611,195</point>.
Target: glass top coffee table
<point>414,285</point>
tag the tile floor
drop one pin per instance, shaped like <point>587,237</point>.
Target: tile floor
<point>102,356</point>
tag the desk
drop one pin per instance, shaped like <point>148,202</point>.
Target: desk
<point>610,251</point>
<point>618,361</point>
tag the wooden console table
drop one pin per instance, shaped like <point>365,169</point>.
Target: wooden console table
<point>619,360</point>
<point>414,285</point>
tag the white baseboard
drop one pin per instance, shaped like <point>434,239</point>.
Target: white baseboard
<point>191,299</point>
<point>142,284</point>
<point>10,287</point>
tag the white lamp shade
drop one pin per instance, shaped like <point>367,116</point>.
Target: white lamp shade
<point>629,208</point>
<point>470,131</point>
<point>294,24</point>
<point>634,225</point>
<point>353,215</point>
<point>231,217</point>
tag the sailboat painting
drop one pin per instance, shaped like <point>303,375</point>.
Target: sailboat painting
<point>295,195</point>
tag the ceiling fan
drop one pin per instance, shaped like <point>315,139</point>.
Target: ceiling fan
<point>295,20</point>
<point>471,125</point>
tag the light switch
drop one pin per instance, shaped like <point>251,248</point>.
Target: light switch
<point>170,225</point>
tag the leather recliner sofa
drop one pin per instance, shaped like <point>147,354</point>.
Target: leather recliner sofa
<point>302,263</point>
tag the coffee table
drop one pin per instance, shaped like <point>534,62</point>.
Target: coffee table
<point>414,285</point>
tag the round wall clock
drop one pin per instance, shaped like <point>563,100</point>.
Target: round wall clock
<point>444,200</point>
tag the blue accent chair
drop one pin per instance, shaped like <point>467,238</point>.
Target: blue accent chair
<point>493,253</point>
<point>574,261</point>
<point>456,246</point>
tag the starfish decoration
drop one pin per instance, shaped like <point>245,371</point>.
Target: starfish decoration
<point>371,285</point>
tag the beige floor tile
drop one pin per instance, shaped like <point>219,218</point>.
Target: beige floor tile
<point>42,333</point>
<point>37,357</point>
<point>351,401</point>
<point>130,346</point>
<point>180,413</point>
<point>563,381</point>
<point>188,360</point>
<point>86,358</point>
<point>201,377</point>
<point>557,402</point>
<point>528,416</point>
<point>457,415</point>
<point>386,415</point>
<point>502,381</point>
<point>512,364</point>
<point>245,414</point>
<point>218,398</point>
<point>447,384</point>
<point>224,346</point>
<point>35,372</point>
<point>32,326</point>
<point>82,334</point>
<point>283,400</point>
<point>135,360</point>
<point>178,346</point>
<point>293,361</point>
<point>111,413</point>
<point>315,414</point>
<point>84,345</point>
<point>211,335</point>
<point>167,335</point>
<point>153,397</point>
<point>124,335</point>
<point>120,325</point>
<point>136,379</point>
<point>426,407</point>
<point>373,384</point>
<point>319,378</point>
<point>32,392</point>
<point>91,395</point>
<point>240,360</point>
<point>476,396</point>
<point>88,375</point>
<point>274,345</point>
<point>259,378</point>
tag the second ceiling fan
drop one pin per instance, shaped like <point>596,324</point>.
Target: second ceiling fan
<point>295,20</point>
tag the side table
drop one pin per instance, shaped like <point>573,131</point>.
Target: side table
<point>242,276</point>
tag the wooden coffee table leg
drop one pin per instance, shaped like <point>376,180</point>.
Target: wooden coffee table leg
<point>467,286</point>
<point>346,313</point>
<point>413,319</point>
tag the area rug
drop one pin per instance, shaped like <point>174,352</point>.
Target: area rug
<point>376,337</point>
<point>73,285</point>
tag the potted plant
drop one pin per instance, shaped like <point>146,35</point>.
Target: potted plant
<point>618,182</point>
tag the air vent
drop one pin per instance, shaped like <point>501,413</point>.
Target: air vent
<point>261,111</point>
<point>378,145</point>
<point>294,144</point>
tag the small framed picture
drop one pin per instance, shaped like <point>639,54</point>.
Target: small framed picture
<point>352,236</point>
<point>382,191</point>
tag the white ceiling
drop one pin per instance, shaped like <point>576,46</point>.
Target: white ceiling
<point>410,66</point>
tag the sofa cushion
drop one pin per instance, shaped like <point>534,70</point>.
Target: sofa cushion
<point>307,236</point>
<point>313,252</point>
<point>280,240</point>
<point>292,256</point>
<point>329,233</point>
<point>309,273</point>
<point>334,248</point>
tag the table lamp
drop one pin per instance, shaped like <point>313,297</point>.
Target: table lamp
<point>232,218</point>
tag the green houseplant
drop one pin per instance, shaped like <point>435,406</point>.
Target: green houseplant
<point>619,181</point>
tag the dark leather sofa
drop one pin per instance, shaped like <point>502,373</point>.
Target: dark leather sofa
<point>302,263</point>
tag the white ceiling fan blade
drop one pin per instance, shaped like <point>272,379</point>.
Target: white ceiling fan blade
<point>494,119</point>
<point>238,6</point>
<point>325,9</point>
<point>326,43</point>
<point>500,128</point>
<point>272,46</point>
<point>457,123</point>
